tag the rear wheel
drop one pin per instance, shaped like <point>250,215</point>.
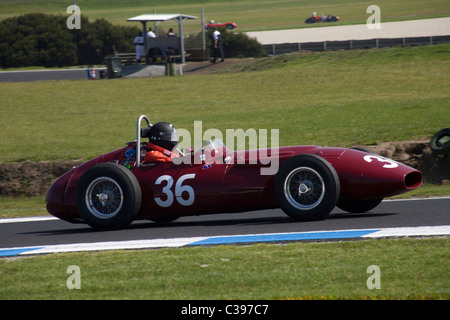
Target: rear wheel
<point>108,196</point>
<point>306,187</point>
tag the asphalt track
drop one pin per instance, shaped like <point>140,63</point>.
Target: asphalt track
<point>334,32</point>
<point>42,75</point>
<point>16,234</point>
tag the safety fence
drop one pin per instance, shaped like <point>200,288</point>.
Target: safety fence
<point>281,48</point>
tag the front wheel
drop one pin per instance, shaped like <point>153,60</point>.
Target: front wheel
<point>306,187</point>
<point>108,196</point>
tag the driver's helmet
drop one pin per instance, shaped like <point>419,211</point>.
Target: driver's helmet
<point>163,134</point>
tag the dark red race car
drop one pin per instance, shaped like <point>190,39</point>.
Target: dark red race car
<point>228,25</point>
<point>112,190</point>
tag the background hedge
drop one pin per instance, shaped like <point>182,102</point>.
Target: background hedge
<point>38,39</point>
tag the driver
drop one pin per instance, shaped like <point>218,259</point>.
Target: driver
<point>162,140</point>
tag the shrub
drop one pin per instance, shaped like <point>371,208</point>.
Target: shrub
<point>38,39</point>
<point>235,44</point>
<point>238,44</point>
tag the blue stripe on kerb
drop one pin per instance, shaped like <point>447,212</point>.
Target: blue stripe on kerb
<point>15,252</point>
<point>285,237</point>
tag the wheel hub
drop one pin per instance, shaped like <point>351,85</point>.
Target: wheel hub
<point>103,198</point>
<point>304,187</point>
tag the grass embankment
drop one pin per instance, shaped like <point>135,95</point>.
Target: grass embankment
<point>409,269</point>
<point>330,98</point>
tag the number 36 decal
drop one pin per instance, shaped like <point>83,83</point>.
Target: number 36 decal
<point>388,163</point>
<point>179,189</point>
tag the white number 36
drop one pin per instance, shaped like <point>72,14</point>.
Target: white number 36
<point>179,189</point>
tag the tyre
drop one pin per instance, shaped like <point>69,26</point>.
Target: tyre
<point>306,187</point>
<point>440,142</point>
<point>108,196</point>
<point>358,206</point>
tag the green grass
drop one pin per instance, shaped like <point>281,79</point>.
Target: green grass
<point>337,98</point>
<point>22,207</point>
<point>295,271</point>
<point>250,15</point>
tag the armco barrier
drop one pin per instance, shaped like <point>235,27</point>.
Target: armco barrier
<point>353,44</point>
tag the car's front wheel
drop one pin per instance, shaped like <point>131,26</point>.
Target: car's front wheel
<point>306,187</point>
<point>108,196</point>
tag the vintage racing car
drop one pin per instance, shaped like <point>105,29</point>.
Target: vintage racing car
<point>322,18</point>
<point>114,189</point>
<point>227,25</point>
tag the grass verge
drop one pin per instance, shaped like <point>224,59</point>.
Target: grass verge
<point>329,99</point>
<point>336,270</point>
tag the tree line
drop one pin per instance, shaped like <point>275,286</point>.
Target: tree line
<point>38,39</point>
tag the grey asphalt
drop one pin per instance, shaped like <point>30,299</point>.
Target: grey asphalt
<point>40,75</point>
<point>334,32</point>
<point>389,214</point>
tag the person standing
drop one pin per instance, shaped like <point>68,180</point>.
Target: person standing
<point>217,45</point>
<point>140,48</point>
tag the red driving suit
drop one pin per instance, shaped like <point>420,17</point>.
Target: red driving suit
<point>158,154</point>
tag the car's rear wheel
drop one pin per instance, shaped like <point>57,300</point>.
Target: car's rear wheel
<point>108,196</point>
<point>306,187</point>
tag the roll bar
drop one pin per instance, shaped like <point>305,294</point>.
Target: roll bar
<point>139,136</point>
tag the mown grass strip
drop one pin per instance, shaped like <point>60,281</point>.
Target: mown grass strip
<point>409,269</point>
<point>329,99</point>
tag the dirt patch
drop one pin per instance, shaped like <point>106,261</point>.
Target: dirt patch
<point>31,178</point>
<point>34,178</point>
